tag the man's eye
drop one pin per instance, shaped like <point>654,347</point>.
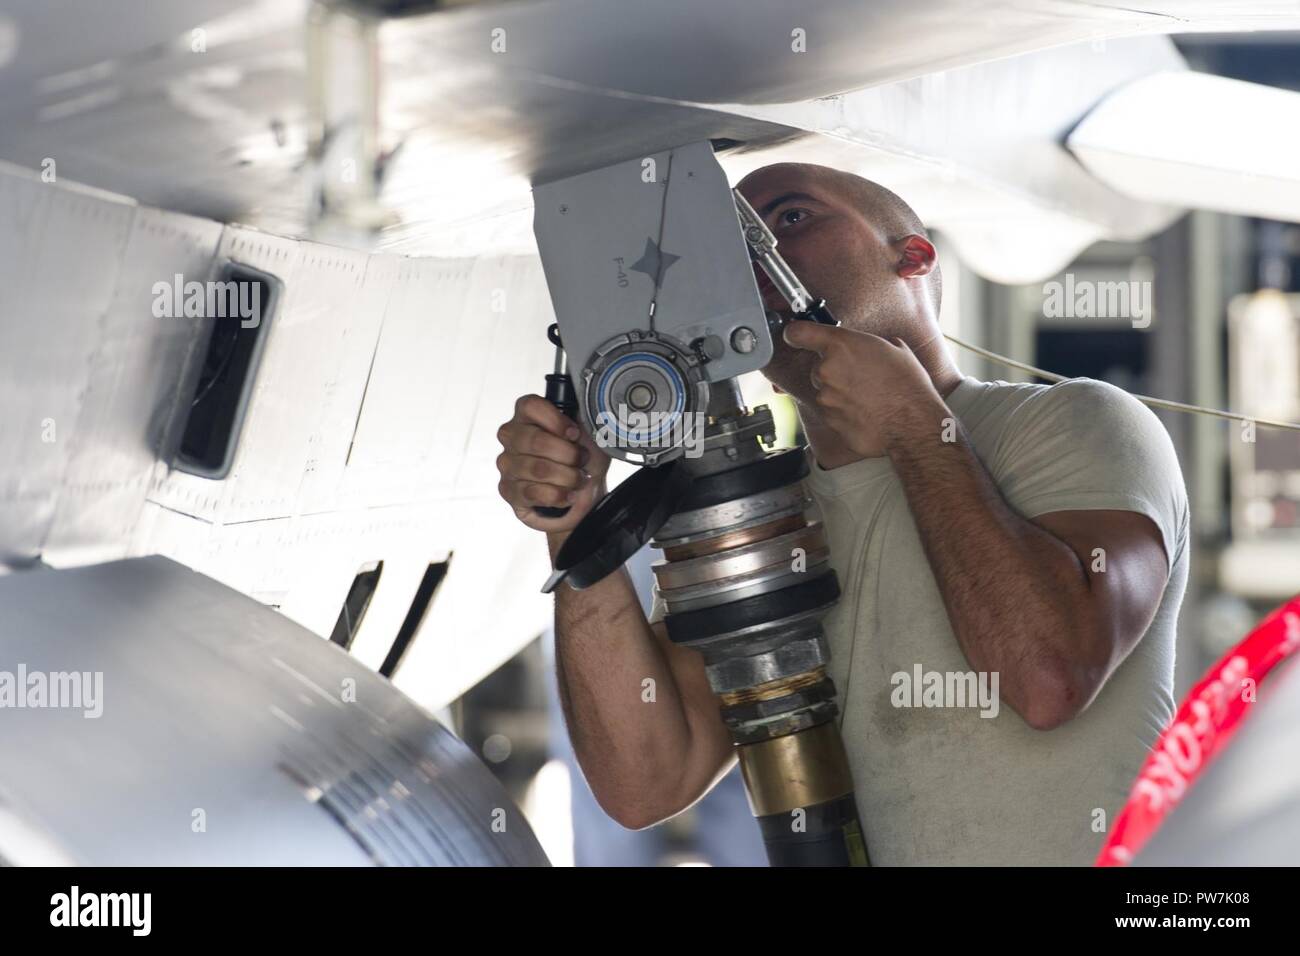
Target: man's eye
<point>792,217</point>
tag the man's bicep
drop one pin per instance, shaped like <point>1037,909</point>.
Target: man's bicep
<point>1123,556</point>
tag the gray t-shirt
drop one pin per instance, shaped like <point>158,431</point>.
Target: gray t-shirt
<point>945,785</point>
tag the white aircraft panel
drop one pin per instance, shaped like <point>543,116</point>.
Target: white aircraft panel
<point>403,410</point>
<point>1192,139</point>
<point>134,393</point>
<point>268,462</point>
<point>59,261</point>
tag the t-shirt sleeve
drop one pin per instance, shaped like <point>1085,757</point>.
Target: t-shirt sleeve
<point>1085,445</point>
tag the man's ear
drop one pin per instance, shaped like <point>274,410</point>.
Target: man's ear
<point>916,256</point>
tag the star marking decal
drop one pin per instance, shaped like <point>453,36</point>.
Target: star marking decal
<point>654,262</point>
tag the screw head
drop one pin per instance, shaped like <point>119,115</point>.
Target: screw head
<point>743,340</point>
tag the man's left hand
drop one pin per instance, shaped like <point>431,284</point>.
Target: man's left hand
<point>874,393</point>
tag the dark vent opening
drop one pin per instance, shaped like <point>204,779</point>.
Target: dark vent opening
<point>240,303</point>
<point>415,617</point>
<point>356,604</point>
<point>404,8</point>
<point>721,144</point>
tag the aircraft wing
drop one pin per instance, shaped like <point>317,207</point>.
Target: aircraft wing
<point>207,108</point>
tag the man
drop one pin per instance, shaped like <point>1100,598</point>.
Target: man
<point>1033,535</point>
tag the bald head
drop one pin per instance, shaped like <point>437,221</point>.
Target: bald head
<point>882,209</point>
<point>853,243</point>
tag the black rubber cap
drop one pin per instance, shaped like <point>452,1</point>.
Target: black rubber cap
<point>618,527</point>
<point>687,626</point>
<point>774,471</point>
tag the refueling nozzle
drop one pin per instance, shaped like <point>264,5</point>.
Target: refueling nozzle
<point>762,250</point>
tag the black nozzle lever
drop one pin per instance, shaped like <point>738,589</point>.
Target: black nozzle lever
<point>821,314</point>
<point>560,393</point>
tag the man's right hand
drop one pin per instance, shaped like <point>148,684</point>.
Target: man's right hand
<point>643,764</point>
<point>548,460</point>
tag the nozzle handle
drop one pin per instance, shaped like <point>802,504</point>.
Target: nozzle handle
<point>560,393</point>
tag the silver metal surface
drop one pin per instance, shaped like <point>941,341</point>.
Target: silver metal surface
<point>651,243</point>
<point>743,340</point>
<point>794,657</point>
<point>790,723</point>
<point>129,104</point>
<point>730,432</point>
<point>343,123</point>
<point>762,248</point>
<point>780,550</point>
<point>774,629</point>
<point>641,373</point>
<point>226,735</point>
<point>687,527</point>
<point>726,590</point>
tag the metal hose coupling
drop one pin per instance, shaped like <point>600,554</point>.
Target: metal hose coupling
<point>746,580</point>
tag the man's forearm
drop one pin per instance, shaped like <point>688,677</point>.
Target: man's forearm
<point>631,738</point>
<point>1017,596</point>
